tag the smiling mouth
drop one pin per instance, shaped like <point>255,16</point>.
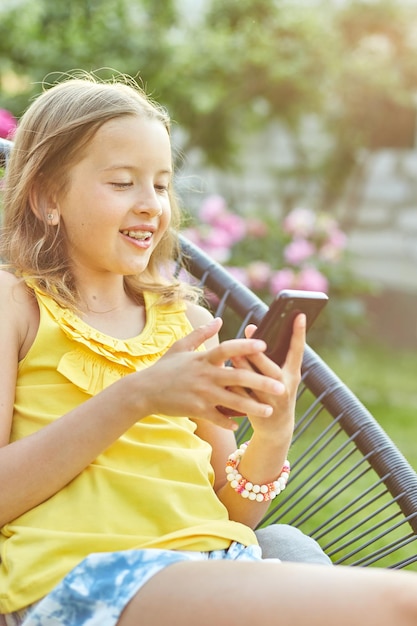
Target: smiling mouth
<point>139,235</point>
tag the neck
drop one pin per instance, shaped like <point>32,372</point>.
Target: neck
<point>103,296</point>
<point>90,310</point>
<point>100,304</point>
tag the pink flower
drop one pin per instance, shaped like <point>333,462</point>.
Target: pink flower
<point>212,208</point>
<point>8,124</point>
<point>325,222</point>
<point>283,279</point>
<point>221,254</point>
<point>298,251</point>
<point>228,227</point>
<point>239,273</point>
<point>233,226</point>
<point>338,238</point>
<point>193,235</point>
<point>215,242</point>
<point>333,247</point>
<point>299,222</point>
<point>218,237</point>
<point>256,228</point>
<point>259,274</point>
<point>310,279</point>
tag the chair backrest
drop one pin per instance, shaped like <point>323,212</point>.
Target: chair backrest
<point>5,149</point>
<point>350,487</point>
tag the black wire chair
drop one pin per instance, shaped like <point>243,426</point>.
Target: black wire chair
<point>5,149</point>
<point>350,487</point>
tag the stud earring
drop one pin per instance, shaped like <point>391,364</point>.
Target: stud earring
<point>50,216</point>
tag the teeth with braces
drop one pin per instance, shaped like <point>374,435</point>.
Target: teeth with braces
<point>137,234</point>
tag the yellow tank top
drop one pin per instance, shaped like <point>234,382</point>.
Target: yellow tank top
<point>151,489</point>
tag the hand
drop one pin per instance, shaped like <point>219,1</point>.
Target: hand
<point>186,382</point>
<point>289,375</point>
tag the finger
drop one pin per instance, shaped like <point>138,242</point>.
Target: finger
<point>249,379</point>
<point>223,419</point>
<point>294,356</point>
<point>244,405</point>
<point>197,337</point>
<point>242,362</point>
<point>227,350</point>
<point>249,330</point>
<point>296,351</point>
<point>263,364</point>
<point>241,391</point>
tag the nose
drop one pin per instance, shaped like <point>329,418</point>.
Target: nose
<point>148,201</point>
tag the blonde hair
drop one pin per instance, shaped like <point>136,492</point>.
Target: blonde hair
<point>51,137</point>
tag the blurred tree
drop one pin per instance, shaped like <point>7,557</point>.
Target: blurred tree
<point>228,67</point>
<point>240,64</point>
<point>373,102</point>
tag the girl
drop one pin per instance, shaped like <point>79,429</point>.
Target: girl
<point>116,507</point>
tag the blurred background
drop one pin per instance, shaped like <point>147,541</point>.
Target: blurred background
<point>295,141</point>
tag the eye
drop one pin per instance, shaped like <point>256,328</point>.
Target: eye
<point>121,185</point>
<point>161,188</point>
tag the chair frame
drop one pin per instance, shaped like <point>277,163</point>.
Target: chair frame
<point>5,149</point>
<point>393,487</point>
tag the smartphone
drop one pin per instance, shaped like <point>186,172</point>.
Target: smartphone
<point>277,324</point>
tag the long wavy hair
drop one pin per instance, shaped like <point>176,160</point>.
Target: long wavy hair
<point>51,137</point>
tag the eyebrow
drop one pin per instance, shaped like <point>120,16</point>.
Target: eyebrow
<point>121,166</point>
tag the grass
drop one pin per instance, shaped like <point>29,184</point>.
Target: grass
<point>330,495</point>
<point>385,381</point>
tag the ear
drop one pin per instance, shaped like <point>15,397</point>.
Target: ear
<point>43,207</point>
<point>52,217</point>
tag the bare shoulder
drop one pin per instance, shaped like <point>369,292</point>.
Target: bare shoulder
<point>13,291</point>
<point>16,311</point>
<point>198,315</point>
<point>19,314</point>
<point>7,278</point>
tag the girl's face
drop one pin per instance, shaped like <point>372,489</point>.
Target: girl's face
<point>117,206</point>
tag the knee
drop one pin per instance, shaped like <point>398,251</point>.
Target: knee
<point>287,543</point>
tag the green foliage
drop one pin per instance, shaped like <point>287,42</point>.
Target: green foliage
<point>304,250</point>
<point>228,67</point>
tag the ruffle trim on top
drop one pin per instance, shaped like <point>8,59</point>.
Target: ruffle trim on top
<point>90,372</point>
<point>98,360</point>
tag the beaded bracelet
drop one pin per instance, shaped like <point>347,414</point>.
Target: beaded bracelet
<point>258,493</point>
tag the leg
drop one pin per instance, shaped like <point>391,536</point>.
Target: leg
<point>287,543</point>
<point>271,594</point>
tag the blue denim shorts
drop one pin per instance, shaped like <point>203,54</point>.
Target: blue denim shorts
<point>97,590</point>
